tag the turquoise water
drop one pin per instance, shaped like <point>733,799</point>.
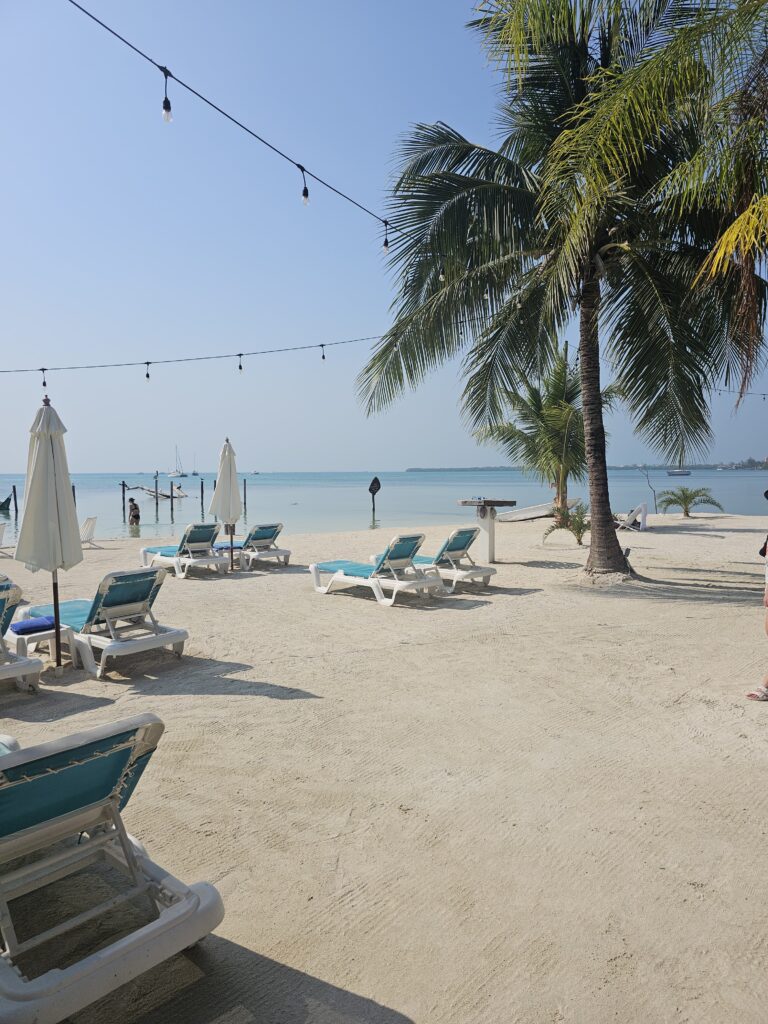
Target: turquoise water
<point>324,502</point>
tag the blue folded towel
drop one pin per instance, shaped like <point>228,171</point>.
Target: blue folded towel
<point>38,625</point>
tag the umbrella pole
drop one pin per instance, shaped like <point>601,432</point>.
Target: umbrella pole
<point>231,547</point>
<point>57,621</point>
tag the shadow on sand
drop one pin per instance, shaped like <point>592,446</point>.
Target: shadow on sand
<point>48,705</point>
<point>236,575</point>
<point>545,564</point>
<point>413,603</point>
<point>645,588</point>
<point>234,985</point>
<point>60,698</point>
<point>209,676</point>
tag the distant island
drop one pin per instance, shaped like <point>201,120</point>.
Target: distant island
<point>759,464</point>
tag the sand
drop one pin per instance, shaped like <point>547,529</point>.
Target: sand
<point>542,802</point>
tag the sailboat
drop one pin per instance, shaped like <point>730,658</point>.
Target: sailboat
<point>179,471</point>
<point>194,465</point>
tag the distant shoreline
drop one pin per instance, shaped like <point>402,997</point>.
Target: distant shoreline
<point>641,468</point>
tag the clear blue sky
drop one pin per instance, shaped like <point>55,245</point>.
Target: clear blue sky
<point>124,237</point>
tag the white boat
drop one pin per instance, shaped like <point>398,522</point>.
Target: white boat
<point>678,472</point>
<point>179,471</point>
<point>522,515</point>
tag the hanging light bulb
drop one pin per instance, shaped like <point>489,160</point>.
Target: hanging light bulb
<point>322,349</point>
<point>240,362</point>
<point>45,382</point>
<point>441,275</point>
<point>305,190</point>
<point>386,237</point>
<point>167,116</point>
<point>147,373</point>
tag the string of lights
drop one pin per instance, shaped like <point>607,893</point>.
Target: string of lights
<point>743,394</point>
<point>146,363</point>
<point>300,167</point>
<point>239,356</point>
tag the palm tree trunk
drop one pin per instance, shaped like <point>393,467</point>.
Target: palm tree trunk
<point>561,497</point>
<point>605,554</point>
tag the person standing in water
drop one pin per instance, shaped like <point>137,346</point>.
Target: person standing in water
<point>134,513</point>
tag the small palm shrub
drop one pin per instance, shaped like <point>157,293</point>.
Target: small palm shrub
<point>687,498</point>
<point>575,520</point>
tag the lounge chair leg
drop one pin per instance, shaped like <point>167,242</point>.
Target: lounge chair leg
<point>86,657</point>
<point>28,684</point>
<point>178,649</point>
<point>102,667</point>
<point>378,593</point>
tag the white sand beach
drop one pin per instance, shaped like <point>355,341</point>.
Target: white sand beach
<point>541,802</point>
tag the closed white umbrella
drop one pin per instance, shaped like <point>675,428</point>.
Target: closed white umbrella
<point>225,503</point>
<point>49,537</point>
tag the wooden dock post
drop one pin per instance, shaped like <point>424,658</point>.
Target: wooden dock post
<point>171,500</point>
<point>15,502</point>
<point>245,496</point>
<point>122,488</point>
<point>202,496</point>
<point>74,495</point>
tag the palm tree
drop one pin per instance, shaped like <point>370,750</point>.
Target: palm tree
<point>575,520</point>
<point>687,498</point>
<point>546,435</point>
<point>718,65</point>
<point>494,258</point>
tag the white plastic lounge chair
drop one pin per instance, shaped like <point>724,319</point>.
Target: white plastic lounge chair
<point>87,531</point>
<point>63,800</point>
<point>118,621</point>
<point>636,520</point>
<point>4,552</point>
<point>25,671</point>
<point>394,570</point>
<point>453,561</point>
<point>194,549</point>
<point>258,546</point>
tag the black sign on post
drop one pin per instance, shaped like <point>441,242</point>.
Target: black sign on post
<point>373,489</point>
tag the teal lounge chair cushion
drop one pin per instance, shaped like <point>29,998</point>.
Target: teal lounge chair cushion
<point>58,783</point>
<point>72,613</point>
<point>359,569</point>
<point>166,552</point>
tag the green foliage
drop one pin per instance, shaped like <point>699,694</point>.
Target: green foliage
<point>510,229</point>
<point>575,520</point>
<point>687,498</point>
<point>704,81</point>
<point>546,432</point>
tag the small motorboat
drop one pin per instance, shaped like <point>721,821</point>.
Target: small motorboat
<point>522,515</point>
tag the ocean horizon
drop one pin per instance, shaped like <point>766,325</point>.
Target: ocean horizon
<point>325,502</point>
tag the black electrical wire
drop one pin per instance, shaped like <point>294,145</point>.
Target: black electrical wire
<point>219,110</point>
<point>194,359</point>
